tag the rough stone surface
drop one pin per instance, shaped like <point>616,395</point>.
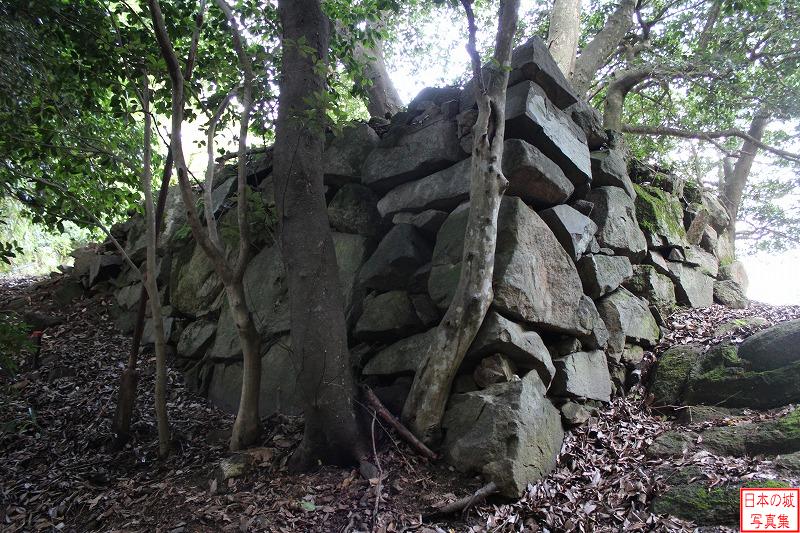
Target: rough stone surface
<point>534,279</point>
<point>530,116</point>
<point>522,346</point>
<point>590,121</point>
<point>574,414</point>
<point>195,339</point>
<point>402,357</point>
<point>386,317</point>
<point>428,222</point>
<point>692,287</point>
<point>353,210</point>
<point>729,294</point>
<point>429,148</point>
<point>734,271</point>
<point>654,287</point>
<point>660,216</point>
<point>194,287</point>
<point>509,432</point>
<point>573,230</point>
<point>609,168</point>
<point>615,216</point>
<point>444,190</point>
<point>532,176</point>
<point>346,153</point>
<point>532,61</point>
<point>704,261</point>
<point>672,372</point>
<point>773,347</point>
<point>582,375</point>
<point>401,252</point>
<point>627,318</point>
<point>602,274</point>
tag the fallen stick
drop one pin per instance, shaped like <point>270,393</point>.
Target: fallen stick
<point>384,413</point>
<point>466,503</point>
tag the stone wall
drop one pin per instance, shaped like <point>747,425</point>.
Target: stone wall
<point>592,252</point>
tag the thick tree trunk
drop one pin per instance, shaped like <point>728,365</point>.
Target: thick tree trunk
<point>150,283</point>
<point>425,405</point>
<point>736,180</point>
<point>319,336</point>
<point>562,37</point>
<point>383,99</point>
<point>594,55</point>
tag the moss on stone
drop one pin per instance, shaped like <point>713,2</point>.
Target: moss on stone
<point>659,213</point>
<point>720,357</point>
<point>737,387</point>
<point>693,192</point>
<point>672,373</point>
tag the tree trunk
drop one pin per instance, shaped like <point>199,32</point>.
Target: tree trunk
<point>736,180</point>
<point>150,283</point>
<point>562,37</point>
<point>617,90</point>
<point>319,336</point>
<point>126,400</point>
<point>598,50</point>
<point>247,427</point>
<point>383,99</point>
<point>425,405</point>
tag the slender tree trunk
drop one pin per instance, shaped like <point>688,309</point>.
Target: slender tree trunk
<point>383,99</point>
<point>246,428</point>
<point>594,55</point>
<point>425,405</point>
<point>126,400</point>
<point>711,20</point>
<point>562,37</point>
<point>616,93</point>
<point>736,180</point>
<point>150,283</point>
<point>319,337</point>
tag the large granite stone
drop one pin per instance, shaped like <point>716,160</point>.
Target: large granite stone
<point>660,216</point>
<point>609,168</point>
<point>387,317</point>
<point>535,281</point>
<point>425,149</point>
<point>443,190</point>
<point>509,432</point>
<point>521,345</point>
<point>401,252</point>
<point>582,375</point>
<point>346,153</point>
<point>532,117</point>
<point>533,176</point>
<point>627,318</point>
<point>693,288</point>
<point>573,230</point>
<point>602,274</point>
<point>773,347</point>
<point>615,216</point>
<point>654,287</point>
<point>353,210</point>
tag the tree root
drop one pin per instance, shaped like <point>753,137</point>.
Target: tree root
<point>392,420</point>
<point>465,504</point>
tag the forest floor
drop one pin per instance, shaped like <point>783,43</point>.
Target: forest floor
<point>57,474</point>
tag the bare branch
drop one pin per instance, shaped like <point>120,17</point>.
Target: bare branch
<point>708,136</point>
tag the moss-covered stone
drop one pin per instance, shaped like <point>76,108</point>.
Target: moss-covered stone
<point>747,322</point>
<point>738,387</point>
<point>660,216</point>
<point>771,437</point>
<point>700,504</point>
<point>692,192</point>
<point>703,505</point>
<point>672,443</point>
<point>722,356</point>
<point>672,373</point>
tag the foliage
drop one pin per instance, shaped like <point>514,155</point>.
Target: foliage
<point>13,340</point>
<point>37,248</point>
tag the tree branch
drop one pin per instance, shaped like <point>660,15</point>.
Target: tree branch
<point>708,136</point>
